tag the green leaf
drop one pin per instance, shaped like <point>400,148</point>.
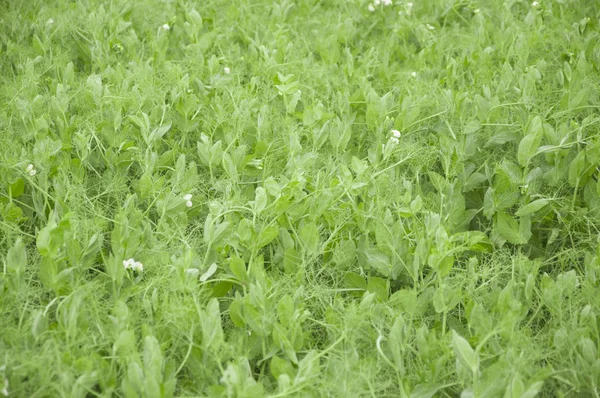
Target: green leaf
<point>309,234</point>
<point>489,207</point>
<point>91,251</point>
<point>229,166</point>
<point>533,390</point>
<point>280,367</point>
<point>379,261</point>
<point>473,240</point>
<point>397,342</point>
<point>272,187</point>
<point>219,232</point>
<point>158,133</point>
<point>238,268</point>
<point>17,258</point>
<point>379,286</point>
<point>530,143</point>
<point>152,359</point>
<point>267,235</point>
<point>260,200</point>
<point>508,228</point>
<point>352,280</point>
<point>235,313</point>
<point>445,298</point>
<point>358,165</point>
<point>17,188</point>
<point>472,127</point>
<point>209,272</point>
<point>425,390</point>
<point>464,352</point>
<point>212,332</point>
<point>532,207</point>
<point>577,168</point>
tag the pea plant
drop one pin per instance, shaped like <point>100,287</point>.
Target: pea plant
<point>300,198</point>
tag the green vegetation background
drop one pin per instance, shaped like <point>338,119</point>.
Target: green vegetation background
<point>319,255</point>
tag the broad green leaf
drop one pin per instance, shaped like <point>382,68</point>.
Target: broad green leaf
<point>533,390</point>
<point>525,229</point>
<point>464,352</point>
<point>528,147</point>
<point>212,332</point>
<point>238,268</point>
<point>235,313</point>
<point>473,240</point>
<point>260,200</point>
<point>445,298</point>
<point>471,127</point>
<point>209,272</point>
<point>379,261</point>
<point>489,207</point>
<point>153,359</point>
<point>92,249</point>
<point>379,286</point>
<point>272,187</point>
<point>267,235</point>
<point>17,188</point>
<point>353,280</point>
<point>397,341</point>
<point>473,181</point>
<point>285,311</point>
<point>508,228</point>
<point>532,207</point>
<point>17,258</point>
<point>280,367</point>
<point>125,344</point>
<point>577,168</point>
<point>159,132</point>
<point>309,234</point>
<point>219,232</point>
<point>229,166</point>
<point>425,391</point>
<point>515,388</point>
<point>358,165</point>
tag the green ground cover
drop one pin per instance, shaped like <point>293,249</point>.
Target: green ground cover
<point>302,198</point>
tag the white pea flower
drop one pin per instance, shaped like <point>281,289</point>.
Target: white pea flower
<point>430,27</point>
<point>477,11</point>
<point>396,134</point>
<point>535,4</point>
<point>226,70</point>
<point>409,7</point>
<point>376,2</point>
<point>192,272</point>
<point>413,74</point>
<point>165,27</point>
<point>371,8</point>
<point>394,141</point>
<point>387,2</point>
<point>188,199</point>
<point>133,265</point>
<point>50,21</point>
<point>31,171</point>
<point>137,266</point>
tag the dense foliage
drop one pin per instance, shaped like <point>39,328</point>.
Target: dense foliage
<point>252,198</point>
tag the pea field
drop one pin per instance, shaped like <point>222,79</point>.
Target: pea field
<point>300,198</point>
